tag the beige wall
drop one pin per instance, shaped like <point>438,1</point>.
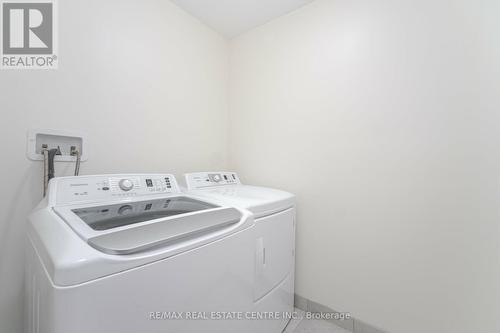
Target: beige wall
<point>383,118</point>
<point>144,80</point>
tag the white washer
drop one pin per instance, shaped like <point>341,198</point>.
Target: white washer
<point>131,253</point>
<point>274,214</point>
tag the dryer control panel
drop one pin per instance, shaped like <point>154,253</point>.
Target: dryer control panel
<point>70,190</point>
<point>199,180</point>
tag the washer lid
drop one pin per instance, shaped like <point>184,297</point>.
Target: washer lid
<point>150,236</point>
<point>135,226</point>
<point>111,216</point>
<point>261,201</point>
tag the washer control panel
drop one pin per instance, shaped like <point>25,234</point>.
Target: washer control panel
<point>210,179</point>
<point>68,190</point>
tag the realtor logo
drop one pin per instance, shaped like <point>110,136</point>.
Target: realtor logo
<point>28,35</point>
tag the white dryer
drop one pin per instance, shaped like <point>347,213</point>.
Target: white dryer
<point>131,253</point>
<point>274,215</point>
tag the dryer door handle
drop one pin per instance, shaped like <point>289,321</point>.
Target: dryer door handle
<point>260,255</point>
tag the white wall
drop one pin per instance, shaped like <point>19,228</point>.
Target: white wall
<point>146,81</point>
<point>383,117</point>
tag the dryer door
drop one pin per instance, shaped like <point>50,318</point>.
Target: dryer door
<point>274,251</point>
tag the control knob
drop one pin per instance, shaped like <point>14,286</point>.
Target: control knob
<point>126,184</point>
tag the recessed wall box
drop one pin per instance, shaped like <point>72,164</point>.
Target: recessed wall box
<point>38,138</point>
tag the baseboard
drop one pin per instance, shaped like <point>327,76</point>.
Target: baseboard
<point>353,324</point>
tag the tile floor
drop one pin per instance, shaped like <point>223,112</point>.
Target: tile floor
<point>303,325</point>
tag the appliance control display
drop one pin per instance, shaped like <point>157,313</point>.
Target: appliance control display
<point>105,187</point>
<point>211,179</point>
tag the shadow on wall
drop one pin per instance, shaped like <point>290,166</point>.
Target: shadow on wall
<point>15,208</point>
<point>12,230</point>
